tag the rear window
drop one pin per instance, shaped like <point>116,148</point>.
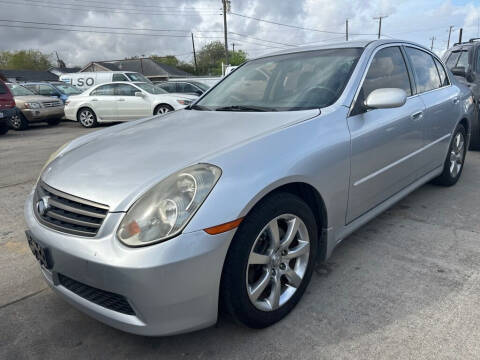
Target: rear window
<point>3,89</point>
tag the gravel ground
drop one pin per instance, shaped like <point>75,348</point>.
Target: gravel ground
<point>405,286</point>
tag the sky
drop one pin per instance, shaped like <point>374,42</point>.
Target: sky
<point>167,25</point>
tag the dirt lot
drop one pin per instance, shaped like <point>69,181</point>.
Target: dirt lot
<point>407,285</point>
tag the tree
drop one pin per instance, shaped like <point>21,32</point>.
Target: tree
<point>211,56</point>
<point>168,60</point>
<point>237,57</point>
<point>25,60</point>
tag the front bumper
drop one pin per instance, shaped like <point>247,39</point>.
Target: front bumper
<point>70,113</point>
<point>43,114</point>
<point>173,287</point>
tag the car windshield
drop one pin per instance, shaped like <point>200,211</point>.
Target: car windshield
<point>297,81</point>
<point>67,89</point>
<point>152,89</point>
<point>19,90</point>
<point>137,77</point>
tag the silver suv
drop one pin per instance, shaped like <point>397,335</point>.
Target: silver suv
<point>148,226</point>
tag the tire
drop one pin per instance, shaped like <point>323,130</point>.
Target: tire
<point>87,118</point>
<point>18,122</point>
<point>162,109</point>
<point>53,122</point>
<point>3,127</point>
<point>453,166</point>
<point>259,309</point>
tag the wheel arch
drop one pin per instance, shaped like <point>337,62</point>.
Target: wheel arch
<point>85,106</point>
<point>162,104</point>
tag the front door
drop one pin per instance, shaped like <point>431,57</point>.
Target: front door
<point>130,106</point>
<point>384,142</point>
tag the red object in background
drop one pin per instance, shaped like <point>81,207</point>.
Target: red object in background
<point>6,97</point>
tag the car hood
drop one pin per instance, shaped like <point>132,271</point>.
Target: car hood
<point>116,165</point>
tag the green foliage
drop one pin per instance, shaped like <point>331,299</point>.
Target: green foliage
<point>168,60</point>
<point>237,58</point>
<point>25,60</point>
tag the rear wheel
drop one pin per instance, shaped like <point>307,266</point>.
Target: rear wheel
<point>453,166</point>
<point>18,122</point>
<point>87,117</point>
<point>162,109</point>
<point>270,261</point>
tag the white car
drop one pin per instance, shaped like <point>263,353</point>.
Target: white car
<point>122,101</point>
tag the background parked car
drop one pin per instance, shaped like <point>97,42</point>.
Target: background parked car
<point>464,62</point>
<point>7,107</point>
<point>85,80</point>
<point>34,108</point>
<point>58,89</point>
<point>183,87</point>
<point>122,101</point>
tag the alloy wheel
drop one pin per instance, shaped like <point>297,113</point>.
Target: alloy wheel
<point>162,110</point>
<point>87,118</point>
<point>457,153</point>
<point>277,262</point>
<point>16,122</point>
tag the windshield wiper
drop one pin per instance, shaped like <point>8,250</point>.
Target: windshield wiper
<point>197,107</point>
<point>243,108</point>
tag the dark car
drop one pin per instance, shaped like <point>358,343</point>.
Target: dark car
<point>7,107</point>
<point>463,60</point>
<point>184,87</point>
<point>57,89</point>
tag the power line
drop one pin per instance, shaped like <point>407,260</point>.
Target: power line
<point>254,38</point>
<point>139,4</point>
<point>86,9</point>
<point>293,26</point>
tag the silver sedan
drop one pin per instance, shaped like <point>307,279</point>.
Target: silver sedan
<point>153,226</point>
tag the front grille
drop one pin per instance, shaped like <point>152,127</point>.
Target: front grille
<point>47,104</point>
<point>67,213</point>
<point>103,298</point>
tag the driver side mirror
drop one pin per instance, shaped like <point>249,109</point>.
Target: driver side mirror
<point>386,98</point>
<point>139,94</point>
<point>459,71</point>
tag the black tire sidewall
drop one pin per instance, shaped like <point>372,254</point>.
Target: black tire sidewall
<point>234,295</point>
<point>23,122</point>
<point>445,178</point>
<point>155,112</point>
<point>94,118</point>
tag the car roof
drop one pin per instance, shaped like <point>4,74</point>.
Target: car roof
<point>341,45</point>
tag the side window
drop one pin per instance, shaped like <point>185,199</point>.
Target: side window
<point>443,74</point>
<point>187,88</point>
<point>463,60</point>
<point>3,89</point>
<point>119,77</point>
<point>387,70</point>
<point>452,59</point>
<point>33,88</point>
<point>104,90</point>
<point>426,73</point>
<point>170,87</point>
<point>125,90</point>
<point>46,90</point>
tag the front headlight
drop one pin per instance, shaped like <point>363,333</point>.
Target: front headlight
<point>184,102</point>
<point>164,210</point>
<point>32,105</point>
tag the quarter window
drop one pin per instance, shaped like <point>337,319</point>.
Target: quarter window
<point>104,90</point>
<point>426,73</point>
<point>443,74</point>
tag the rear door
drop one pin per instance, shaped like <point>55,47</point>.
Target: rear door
<point>104,102</point>
<point>384,142</point>
<point>441,102</point>
<point>129,106</point>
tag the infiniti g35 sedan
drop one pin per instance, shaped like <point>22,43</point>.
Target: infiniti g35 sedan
<point>157,225</point>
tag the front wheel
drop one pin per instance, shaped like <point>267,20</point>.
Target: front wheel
<point>270,261</point>
<point>162,109</point>
<point>453,166</point>
<point>87,118</point>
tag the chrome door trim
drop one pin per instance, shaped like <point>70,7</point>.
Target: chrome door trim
<point>399,161</point>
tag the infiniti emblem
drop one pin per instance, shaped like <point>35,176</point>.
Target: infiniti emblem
<point>43,205</point>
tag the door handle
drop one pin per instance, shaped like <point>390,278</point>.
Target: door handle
<point>417,116</point>
<point>456,100</point>
<point>94,99</point>
<point>121,99</point>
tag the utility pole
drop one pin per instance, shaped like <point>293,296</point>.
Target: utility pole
<point>194,53</point>
<point>460,36</point>
<point>226,8</point>
<point>433,38</point>
<point>379,18</point>
<point>346,30</point>
<point>449,33</point>
<point>233,47</point>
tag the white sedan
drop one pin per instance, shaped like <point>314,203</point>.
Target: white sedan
<point>122,101</point>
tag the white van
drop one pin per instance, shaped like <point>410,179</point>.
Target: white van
<point>85,80</point>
